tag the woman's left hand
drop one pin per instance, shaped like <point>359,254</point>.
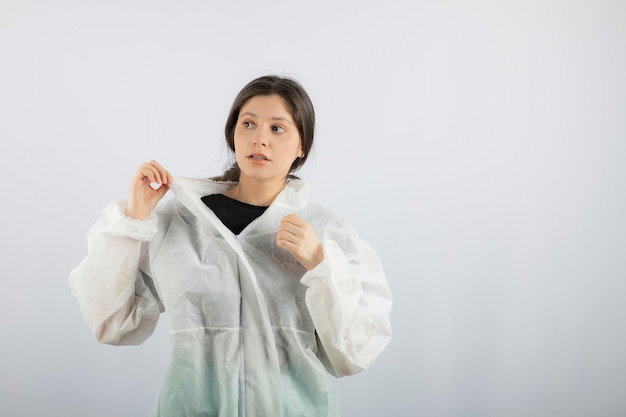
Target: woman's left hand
<point>299,239</point>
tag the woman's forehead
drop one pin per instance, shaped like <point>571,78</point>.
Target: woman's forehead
<point>266,107</point>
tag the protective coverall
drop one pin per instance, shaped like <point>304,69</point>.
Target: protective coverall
<point>253,332</point>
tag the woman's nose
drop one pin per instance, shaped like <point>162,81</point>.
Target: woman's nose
<point>260,139</point>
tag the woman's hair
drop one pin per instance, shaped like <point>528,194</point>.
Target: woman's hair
<point>298,104</point>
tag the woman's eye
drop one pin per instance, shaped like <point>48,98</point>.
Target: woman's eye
<point>248,125</point>
<point>278,129</point>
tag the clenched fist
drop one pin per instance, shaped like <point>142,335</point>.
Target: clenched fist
<point>298,238</point>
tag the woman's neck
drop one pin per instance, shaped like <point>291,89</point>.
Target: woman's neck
<point>257,193</point>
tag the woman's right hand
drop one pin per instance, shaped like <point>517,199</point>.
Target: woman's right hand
<point>142,198</point>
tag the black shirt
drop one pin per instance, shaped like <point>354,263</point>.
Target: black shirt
<point>234,214</point>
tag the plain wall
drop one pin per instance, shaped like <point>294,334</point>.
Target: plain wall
<point>478,146</point>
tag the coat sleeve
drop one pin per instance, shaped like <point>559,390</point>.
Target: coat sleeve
<point>119,301</point>
<point>350,303</point>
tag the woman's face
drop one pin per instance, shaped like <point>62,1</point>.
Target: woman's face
<point>267,140</point>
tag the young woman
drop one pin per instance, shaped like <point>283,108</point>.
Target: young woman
<point>266,292</point>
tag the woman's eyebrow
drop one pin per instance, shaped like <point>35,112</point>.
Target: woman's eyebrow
<point>247,113</point>
<point>282,118</point>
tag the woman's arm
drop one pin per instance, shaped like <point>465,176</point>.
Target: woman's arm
<point>117,300</point>
<point>349,301</point>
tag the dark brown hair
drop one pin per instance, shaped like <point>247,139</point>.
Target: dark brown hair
<point>298,104</point>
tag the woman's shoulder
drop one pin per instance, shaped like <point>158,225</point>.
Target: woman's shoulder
<point>172,208</point>
<point>322,217</point>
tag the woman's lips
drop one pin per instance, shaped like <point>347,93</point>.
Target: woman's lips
<point>258,158</point>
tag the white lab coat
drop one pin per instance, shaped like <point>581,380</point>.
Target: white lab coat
<point>253,332</point>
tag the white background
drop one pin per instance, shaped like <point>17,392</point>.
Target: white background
<point>478,146</point>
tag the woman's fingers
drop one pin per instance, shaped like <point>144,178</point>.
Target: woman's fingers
<point>291,229</point>
<point>143,198</point>
<point>298,237</point>
<point>162,175</point>
<point>154,172</point>
<point>292,223</point>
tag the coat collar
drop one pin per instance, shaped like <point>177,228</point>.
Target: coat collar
<point>189,192</point>
<point>293,197</point>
